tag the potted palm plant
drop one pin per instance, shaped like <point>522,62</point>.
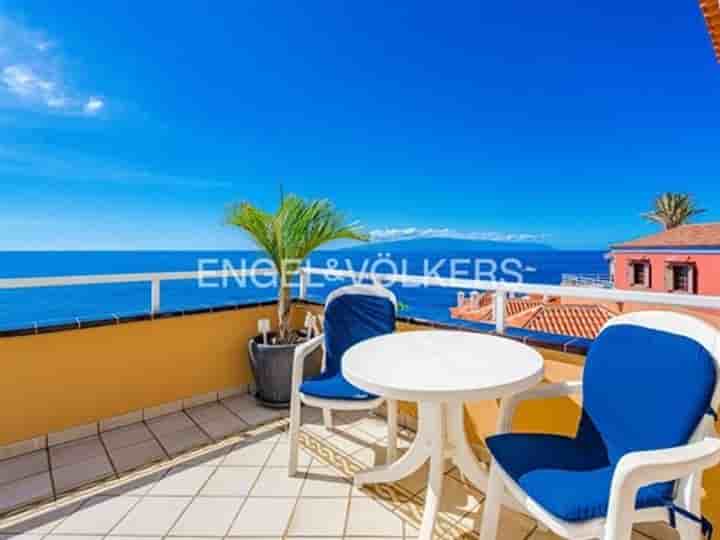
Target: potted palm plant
<point>287,237</point>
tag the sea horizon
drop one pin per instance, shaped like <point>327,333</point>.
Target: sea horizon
<point>55,305</point>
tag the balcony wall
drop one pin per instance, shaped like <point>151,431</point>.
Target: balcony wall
<point>57,380</point>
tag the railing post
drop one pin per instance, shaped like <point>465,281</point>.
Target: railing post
<point>155,297</point>
<point>302,292</point>
<point>499,311</point>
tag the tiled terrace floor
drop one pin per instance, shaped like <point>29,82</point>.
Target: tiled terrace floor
<point>234,485</point>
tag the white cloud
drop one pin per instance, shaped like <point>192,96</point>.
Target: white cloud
<point>411,233</point>
<point>94,105</point>
<point>32,74</point>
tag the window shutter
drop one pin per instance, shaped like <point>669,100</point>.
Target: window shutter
<point>691,279</point>
<point>629,273</point>
<point>646,274</point>
<point>668,277</point>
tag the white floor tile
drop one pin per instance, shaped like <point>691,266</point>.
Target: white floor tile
<point>277,483</point>
<point>42,523</point>
<point>369,518</point>
<point>325,482</point>
<point>263,517</point>
<point>182,481</point>
<point>152,516</point>
<point>97,516</point>
<point>318,517</point>
<point>281,454</point>
<point>231,481</point>
<point>137,487</point>
<point>73,537</point>
<point>208,517</point>
<point>253,454</point>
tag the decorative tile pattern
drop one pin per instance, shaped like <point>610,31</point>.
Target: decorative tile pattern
<point>239,487</point>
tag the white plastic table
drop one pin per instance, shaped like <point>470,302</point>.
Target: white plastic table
<point>439,370</point>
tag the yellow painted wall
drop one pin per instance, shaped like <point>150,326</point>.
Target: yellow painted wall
<point>58,380</point>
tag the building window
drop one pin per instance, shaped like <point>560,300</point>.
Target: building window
<point>680,278</point>
<point>639,274</point>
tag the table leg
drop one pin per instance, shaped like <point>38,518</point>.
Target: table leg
<point>435,416</point>
<point>463,455</point>
<point>412,460</point>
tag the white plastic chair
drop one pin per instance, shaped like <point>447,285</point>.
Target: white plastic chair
<point>352,314</point>
<point>649,391</point>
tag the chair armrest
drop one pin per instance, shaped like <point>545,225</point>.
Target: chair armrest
<point>301,352</point>
<point>638,469</point>
<point>545,390</point>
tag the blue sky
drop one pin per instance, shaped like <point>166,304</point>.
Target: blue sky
<point>133,127</point>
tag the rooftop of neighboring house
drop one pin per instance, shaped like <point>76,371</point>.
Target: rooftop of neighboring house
<point>685,236</point>
<point>711,12</point>
<point>539,314</point>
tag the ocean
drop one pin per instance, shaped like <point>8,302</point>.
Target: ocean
<point>58,305</point>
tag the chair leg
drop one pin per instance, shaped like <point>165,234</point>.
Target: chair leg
<point>491,508</point>
<point>295,420</point>
<point>392,421</point>
<point>327,418</point>
<point>689,498</point>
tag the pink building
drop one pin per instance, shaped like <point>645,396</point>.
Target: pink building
<point>685,259</point>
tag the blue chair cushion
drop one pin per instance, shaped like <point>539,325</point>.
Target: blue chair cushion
<point>350,319</point>
<point>644,389</point>
<point>328,386</point>
<point>568,479</point>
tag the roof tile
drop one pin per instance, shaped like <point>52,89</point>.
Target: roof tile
<point>702,235</point>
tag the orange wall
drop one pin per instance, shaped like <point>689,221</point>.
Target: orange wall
<point>707,276</point>
<point>55,381</point>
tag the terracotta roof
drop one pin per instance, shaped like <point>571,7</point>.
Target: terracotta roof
<point>549,316</point>
<point>484,311</point>
<point>702,235</point>
<point>570,320</point>
<point>711,12</point>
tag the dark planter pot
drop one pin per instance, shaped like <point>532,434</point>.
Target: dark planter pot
<point>272,369</point>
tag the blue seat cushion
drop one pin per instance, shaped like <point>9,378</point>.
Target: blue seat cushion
<point>329,386</point>
<point>569,479</point>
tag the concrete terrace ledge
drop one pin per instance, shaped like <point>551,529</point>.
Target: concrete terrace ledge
<point>557,342</point>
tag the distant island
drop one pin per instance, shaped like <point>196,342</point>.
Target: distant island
<point>444,245</point>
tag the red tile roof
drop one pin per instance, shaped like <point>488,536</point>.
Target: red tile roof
<point>711,12</point>
<point>549,316</point>
<point>702,235</point>
<point>570,320</point>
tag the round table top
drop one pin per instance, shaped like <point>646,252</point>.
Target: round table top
<point>442,366</point>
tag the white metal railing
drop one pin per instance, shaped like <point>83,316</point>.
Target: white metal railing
<point>155,279</point>
<point>501,288</point>
<point>587,280</point>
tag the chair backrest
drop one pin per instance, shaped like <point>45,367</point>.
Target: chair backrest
<point>353,314</point>
<point>649,379</point>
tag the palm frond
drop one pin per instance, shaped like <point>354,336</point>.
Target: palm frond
<point>673,209</point>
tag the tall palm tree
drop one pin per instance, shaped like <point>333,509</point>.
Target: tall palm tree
<point>673,209</point>
<point>288,236</point>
